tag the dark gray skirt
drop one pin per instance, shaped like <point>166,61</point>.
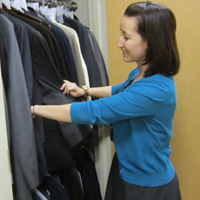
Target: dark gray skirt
<point>117,189</point>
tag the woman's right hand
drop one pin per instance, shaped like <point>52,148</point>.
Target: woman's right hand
<point>72,89</point>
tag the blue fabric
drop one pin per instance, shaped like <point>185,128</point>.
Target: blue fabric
<point>142,116</point>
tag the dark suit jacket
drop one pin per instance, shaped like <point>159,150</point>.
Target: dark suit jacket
<point>50,80</point>
<point>87,52</point>
<point>51,41</point>
<point>65,49</point>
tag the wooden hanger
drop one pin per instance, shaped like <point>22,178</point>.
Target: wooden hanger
<point>25,15</point>
<point>31,9</point>
<point>4,7</point>
<point>32,18</point>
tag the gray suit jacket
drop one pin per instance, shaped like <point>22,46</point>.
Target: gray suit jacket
<point>23,147</point>
<point>99,59</point>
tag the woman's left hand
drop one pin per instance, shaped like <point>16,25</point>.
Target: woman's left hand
<point>72,89</point>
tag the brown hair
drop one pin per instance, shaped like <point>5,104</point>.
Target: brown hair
<point>157,26</point>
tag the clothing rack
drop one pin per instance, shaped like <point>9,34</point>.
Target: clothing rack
<point>70,5</point>
<point>100,164</point>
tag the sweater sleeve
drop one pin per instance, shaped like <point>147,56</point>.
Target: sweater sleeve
<point>143,98</point>
<point>117,88</point>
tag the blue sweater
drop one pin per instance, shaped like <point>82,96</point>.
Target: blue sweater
<point>142,116</point>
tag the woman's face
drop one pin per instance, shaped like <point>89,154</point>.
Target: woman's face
<point>131,43</point>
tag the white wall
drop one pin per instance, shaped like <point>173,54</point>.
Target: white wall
<point>5,173</point>
<point>82,12</point>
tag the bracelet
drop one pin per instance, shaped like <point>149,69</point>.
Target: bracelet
<point>86,90</point>
<point>34,111</point>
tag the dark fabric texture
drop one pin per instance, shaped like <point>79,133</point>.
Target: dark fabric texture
<point>53,46</point>
<point>117,189</point>
<point>87,52</point>
<point>57,152</point>
<point>52,143</point>
<point>72,183</point>
<point>67,54</point>
<point>57,191</point>
<point>85,166</point>
<point>50,81</point>
<point>65,48</point>
<point>44,192</point>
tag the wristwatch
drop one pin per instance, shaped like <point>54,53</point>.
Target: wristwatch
<point>86,90</point>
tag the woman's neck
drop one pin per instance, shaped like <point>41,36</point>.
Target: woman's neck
<point>142,69</point>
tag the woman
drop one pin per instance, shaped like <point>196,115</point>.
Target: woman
<point>141,109</point>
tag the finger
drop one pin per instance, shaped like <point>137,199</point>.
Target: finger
<point>63,85</point>
<point>65,91</point>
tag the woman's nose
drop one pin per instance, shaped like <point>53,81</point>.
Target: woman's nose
<point>119,43</point>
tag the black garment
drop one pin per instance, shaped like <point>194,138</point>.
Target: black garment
<point>66,52</point>
<point>58,153</point>
<point>86,50</point>
<point>85,166</point>
<point>50,80</point>
<point>72,183</point>
<point>44,192</point>
<point>35,197</point>
<point>57,191</point>
<point>39,131</point>
<point>117,189</point>
<point>54,48</point>
<point>65,49</point>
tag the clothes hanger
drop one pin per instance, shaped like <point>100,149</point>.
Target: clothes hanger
<point>4,7</point>
<point>31,9</point>
<point>32,18</point>
<point>25,15</point>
